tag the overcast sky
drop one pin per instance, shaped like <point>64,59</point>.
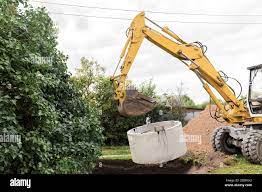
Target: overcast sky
<point>231,48</point>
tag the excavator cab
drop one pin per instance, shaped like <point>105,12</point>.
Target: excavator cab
<point>255,90</point>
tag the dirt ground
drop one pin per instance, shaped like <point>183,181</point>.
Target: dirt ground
<point>201,163</point>
<point>200,157</point>
<point>128,167</point>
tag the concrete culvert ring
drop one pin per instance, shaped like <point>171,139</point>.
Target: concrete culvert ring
<point>157,143</point>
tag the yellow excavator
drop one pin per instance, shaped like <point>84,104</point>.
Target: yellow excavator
<point>244,116</point>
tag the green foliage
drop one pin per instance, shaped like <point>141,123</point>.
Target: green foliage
<point>116,152</point>
<point>187,101</point>
<point>60,132</point>
<point>202,105</point>
<point>148,88</point>
<point>175,104</point>
<point>87,79</point>
<point>115,126</point>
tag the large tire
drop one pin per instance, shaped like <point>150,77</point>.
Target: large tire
<point>252,146</point>
<point>220,140</point>
<point>213,138</point>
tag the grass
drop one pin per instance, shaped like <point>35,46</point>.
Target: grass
<point>116,153</point>
<point>195,159</point>
<point>239,166</point>
<point>242,166</point>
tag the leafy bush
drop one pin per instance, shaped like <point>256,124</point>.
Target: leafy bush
<point>60,132</point>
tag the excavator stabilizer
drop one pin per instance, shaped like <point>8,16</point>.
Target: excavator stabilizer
<point>136,104</point>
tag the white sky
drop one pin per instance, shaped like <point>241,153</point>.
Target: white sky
<point>231,48</point>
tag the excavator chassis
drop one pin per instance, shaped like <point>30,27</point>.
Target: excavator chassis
<point>246,140</point>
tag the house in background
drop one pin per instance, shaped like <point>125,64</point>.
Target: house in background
<point>191,112</point>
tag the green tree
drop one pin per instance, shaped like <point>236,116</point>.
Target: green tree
<point>176,102</point>
<point>148,88</point>
<point>60,132</point>
<point>87,78</point>
<point>187,101</point>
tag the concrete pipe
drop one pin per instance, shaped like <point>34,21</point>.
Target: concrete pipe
<point>157,143</point>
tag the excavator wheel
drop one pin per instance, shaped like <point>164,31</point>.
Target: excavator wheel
<point>252,146</point>
<point>221,141</point>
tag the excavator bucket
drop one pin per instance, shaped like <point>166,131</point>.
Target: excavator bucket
<point>136,104</point>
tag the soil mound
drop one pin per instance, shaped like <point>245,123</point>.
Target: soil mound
<point>199,130</point>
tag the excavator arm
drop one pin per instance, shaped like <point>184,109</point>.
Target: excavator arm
<point>131,103</point>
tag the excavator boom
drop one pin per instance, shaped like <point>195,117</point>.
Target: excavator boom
<point>132,103</point>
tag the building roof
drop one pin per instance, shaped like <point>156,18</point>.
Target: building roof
<point>192,109</point>
<point>259,66</point>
